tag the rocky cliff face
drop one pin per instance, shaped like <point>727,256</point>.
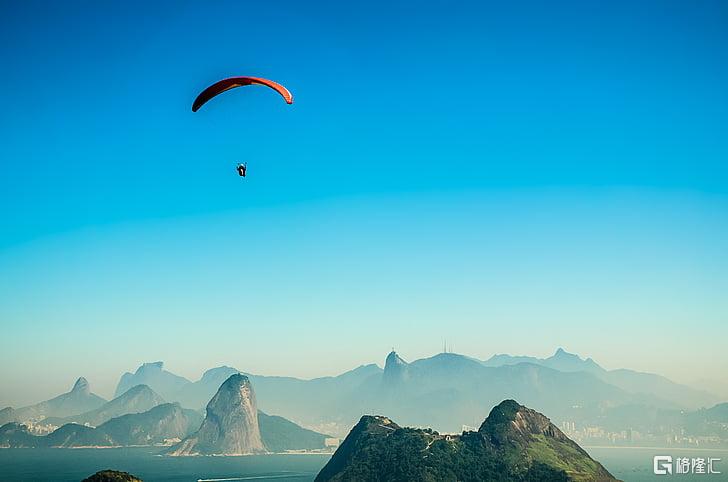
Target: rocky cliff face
<point>514,443</point>
<point>395,369</point>
<point>230,426</point>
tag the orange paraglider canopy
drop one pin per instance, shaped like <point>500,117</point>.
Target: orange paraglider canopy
<point>232,82</point>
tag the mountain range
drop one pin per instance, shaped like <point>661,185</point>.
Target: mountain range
<point>628,380</point>
<point>137,399</point>
<point>447,390</point>
<point>155,426</point>
<point>233,425</point>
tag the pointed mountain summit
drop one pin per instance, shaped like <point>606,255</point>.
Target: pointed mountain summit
<point>570,362</point>
<point>81,386</point>
<point>395,369</point>
<point>78,400</point>
<point>230,426</point>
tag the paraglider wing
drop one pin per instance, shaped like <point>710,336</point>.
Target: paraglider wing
<point>232,82</point>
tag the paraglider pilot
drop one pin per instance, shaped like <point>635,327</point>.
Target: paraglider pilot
<point>242,168</point>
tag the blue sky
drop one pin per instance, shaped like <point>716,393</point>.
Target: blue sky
<point>511,177</point>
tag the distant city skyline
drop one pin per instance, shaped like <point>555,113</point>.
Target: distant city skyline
<point>512,178</point>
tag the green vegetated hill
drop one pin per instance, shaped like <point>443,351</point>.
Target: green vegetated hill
<point>513,444</point>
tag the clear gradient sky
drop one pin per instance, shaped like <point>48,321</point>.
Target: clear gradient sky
<point>513,178</point>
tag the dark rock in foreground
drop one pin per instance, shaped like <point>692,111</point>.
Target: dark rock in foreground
<point>513,444</point>
<point>112,476</point>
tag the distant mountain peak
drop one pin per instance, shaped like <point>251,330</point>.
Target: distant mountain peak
<point>395,368</point>
<point>561,353</point>
<point>153,374</point>
<point>393,360</point>
<point>151,366</point>
<point>81,386</point>
<point>216,372</point>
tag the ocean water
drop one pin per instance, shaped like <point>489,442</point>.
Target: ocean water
<point>636,464</point>
<point>72,465</point>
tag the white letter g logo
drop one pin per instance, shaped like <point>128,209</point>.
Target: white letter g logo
<point>662,464</point>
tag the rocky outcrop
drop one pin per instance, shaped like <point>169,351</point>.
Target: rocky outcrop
<point>230,426</point>
<point>395,369</point>
<point>112,476</point>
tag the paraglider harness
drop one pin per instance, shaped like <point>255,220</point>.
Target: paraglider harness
<point>242,168</point>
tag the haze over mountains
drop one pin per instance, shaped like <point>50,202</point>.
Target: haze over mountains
<point>445,391</point>
<point>232,426</point>
<point>137,399</point>
<point>644,387</point>
<point>629,380</point>
<point>78,400</point>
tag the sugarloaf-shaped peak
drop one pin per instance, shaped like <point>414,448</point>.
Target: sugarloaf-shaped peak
<point>231,424</point>
<point>81,386</point>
